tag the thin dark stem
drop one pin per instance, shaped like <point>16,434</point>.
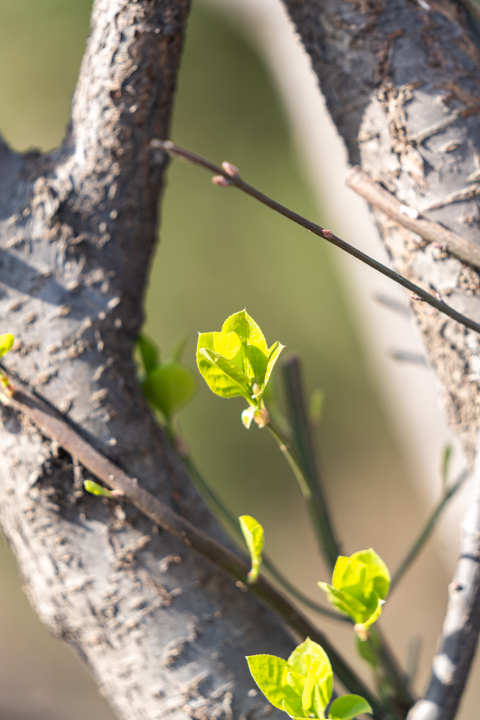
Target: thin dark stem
<point>222,511</point>
<point>426,532</point>
<point>235,180</point>
<point>55,427</point>
<point>302,441</point>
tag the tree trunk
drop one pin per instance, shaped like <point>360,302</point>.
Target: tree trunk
<point>402,83</point>
<point>162,630</point>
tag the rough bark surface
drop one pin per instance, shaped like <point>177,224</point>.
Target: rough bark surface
<point>402,82</point>
<point>163,632</point>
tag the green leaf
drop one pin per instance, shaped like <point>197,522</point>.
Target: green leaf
<point>345,603</point>
<point>148,352</point>
<point>253,534</point>
<point>301,658</point>
<point>253,341</point>
<point>169,386</point>
<point>273,354</point>
<point>318,688</point>
<point>268,672</point>
<point>348,706</point>
<point>295,712</point>
<point>359,582</point>
<point>222,375</point>
<point>95,489</point>
<point>377,571</point>
<point>6,342</point>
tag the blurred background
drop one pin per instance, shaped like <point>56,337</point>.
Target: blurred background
<point>221,252</point>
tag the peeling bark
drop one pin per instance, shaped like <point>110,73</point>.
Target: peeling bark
<point>402,82</point>
<point>163,632</point>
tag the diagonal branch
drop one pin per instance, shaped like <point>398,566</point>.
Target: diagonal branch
<point>230,176</point>
<point>54,426</point>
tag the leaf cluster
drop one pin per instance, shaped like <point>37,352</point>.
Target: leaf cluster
<point>237,361</point>
<point>360,584</point>
<point>302,686</point>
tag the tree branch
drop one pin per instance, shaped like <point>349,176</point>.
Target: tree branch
<point>452,663</point>
<point>51,424</point>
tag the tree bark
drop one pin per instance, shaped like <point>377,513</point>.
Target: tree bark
<point>162,630</point>
<point>402,83</point>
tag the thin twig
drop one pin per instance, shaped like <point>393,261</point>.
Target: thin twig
<point>222,511</point>
<point>432,232</point>
<point>461,627</point>
<point>302,441</point>
<point>233,178</point>
<point>54,426</point>
<point>426,532</point>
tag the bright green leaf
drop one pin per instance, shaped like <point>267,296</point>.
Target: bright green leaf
<point>222,376</point>
<point>268,672</point>
<point>359,582</point>
<point>169,386</point>
<point>273,354</point>
<point>6,342</point>
<point>295,711</point>
<point>229,345</point>
<point>253,534</point>
<point>377,571</point>
<point>348,706</point>
<point>318,688</point>
<point>301,658</point>
<point>95,489</point>
<point>253,341</point>
<point>345,603</point>
<point>149,352</point>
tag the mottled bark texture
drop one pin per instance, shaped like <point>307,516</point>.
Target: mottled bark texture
<point>163,632</point>
<point>402,82</point>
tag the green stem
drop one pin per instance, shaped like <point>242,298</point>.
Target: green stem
<point>390,669</point>
<point>302,441</point>
<point>222,511</point>
<point>426,532</point>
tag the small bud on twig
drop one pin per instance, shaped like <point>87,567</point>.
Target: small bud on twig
<point>326,233</point>
<point>230,169</point>
<point>221,181</point>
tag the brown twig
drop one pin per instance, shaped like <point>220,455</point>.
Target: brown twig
<point>228,175</point>
<point>358,181</point>
<point>54,426</point>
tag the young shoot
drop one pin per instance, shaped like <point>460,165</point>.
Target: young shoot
<point>360,584</point>
<point>302,686</point>
<point>237,362</point>
<point>253,534</point>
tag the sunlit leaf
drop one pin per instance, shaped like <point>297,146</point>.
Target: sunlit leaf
<point>222,375</point>
<point>254,344</point>
<point>6,342</point>
<point>268,672</point>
